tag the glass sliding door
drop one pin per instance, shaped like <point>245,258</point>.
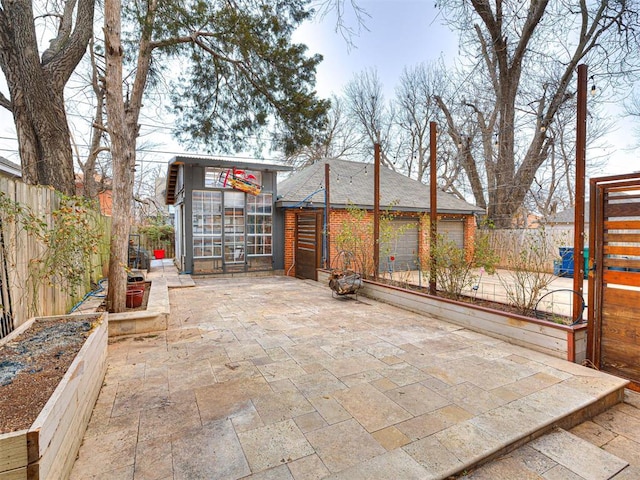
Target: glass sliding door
<point>234,228</point>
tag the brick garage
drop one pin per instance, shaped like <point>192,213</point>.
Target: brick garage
<point>302,195</point>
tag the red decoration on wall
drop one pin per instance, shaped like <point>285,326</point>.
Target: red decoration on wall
<point>243,181</point>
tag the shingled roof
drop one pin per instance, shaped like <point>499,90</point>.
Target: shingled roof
<point>9,168</point>
<point>351,183</point>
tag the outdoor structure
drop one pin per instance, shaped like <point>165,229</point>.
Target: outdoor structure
<point>225,219</point>
<point>10,169</point>
<point>302,201</point>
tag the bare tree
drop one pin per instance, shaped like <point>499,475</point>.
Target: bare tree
<point>374,118</point>
<point>94,180</point>
<point>527,54</point>
<point>36,82</point>
<point>351,18</point>
<point>338,140</point>
<point>416,107</point>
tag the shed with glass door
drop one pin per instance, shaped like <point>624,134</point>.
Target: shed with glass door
<point>225,220</point>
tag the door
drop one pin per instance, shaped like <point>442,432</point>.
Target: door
<point>308,247</point>
<point>234,226</point>
<point>614,277</point>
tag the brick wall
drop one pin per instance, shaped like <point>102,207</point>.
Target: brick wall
<point>289,241</point>
<point>338,217</point>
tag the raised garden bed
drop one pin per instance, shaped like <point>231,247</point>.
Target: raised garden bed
<point>568,342</point>
<point>51,372</point>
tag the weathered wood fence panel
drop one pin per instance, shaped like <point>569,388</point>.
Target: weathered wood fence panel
<point>22,249</point>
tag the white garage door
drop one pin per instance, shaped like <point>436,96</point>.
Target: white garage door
<point>453,230</point>
<point>403,246</point>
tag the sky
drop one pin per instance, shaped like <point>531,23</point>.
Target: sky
<point>398,34</point>
<point>404,33</point>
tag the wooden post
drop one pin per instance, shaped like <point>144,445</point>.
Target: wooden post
<point>376,209</point>
<point>327,217</point>
<point>433,206</point>
<point>581,147</point>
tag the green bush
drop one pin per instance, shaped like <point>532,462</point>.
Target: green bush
<point>454,267</point>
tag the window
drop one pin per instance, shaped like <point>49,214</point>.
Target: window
<point>231,225</point>
<point>207,224</point>
<point>259,224</point>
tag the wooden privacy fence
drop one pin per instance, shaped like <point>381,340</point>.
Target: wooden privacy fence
<point>150,245</point>
<point>23,294</point>
<point>508,243</point>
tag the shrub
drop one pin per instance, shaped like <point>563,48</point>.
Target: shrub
<point>454,266</point>
<point>528,276</point>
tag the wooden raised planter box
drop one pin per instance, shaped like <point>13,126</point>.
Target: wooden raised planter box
<point>48,449</point>
<point>562,341</point>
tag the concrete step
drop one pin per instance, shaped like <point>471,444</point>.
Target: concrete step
<point>555,455</point>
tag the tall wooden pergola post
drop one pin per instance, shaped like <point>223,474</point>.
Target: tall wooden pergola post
<point>581,149</point>
<point>376,209</point>
<point>433,207</point>
<point>327,217</point>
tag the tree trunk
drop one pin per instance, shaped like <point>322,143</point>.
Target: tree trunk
<point>36,87</point>
<point>122,157</point>
<point>123,131</point>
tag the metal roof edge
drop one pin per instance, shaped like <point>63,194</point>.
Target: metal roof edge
<point>212,161</point>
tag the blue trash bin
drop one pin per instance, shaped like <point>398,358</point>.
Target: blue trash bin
<point>566,254</point>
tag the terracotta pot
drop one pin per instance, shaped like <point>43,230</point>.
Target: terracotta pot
<point>137,285</point>
<point>135,297</point>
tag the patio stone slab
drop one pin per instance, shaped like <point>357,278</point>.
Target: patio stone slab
<point>330,409</point>
<point>623,448</point>
<point>434,457</point>
<point>169,419</point>
<point>210,451</point>
<point>430,423</point>
<point>273,445</point>
<point>153,460</point>
<point>286,382</point>
<point>310,422</point>
<point>372,408</point>
<point>516,419</point>
<point>391,438</point>
<point>626,425</point>
<point>344,366</point>
<point>317,384</point>
<point>308,468</point>
<point>509,468</point>
<point>578,456</point>
<point>467,442</point>
<point>224,399</point>
<point>343,445</point>
<point>280,370</point>
<point>393,465</point>
<point>277,407</point>
<point>417,399</point>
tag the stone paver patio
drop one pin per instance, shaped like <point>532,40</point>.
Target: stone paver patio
<point>272,378</point>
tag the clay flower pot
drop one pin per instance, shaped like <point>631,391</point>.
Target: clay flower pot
<point>134,297</point>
